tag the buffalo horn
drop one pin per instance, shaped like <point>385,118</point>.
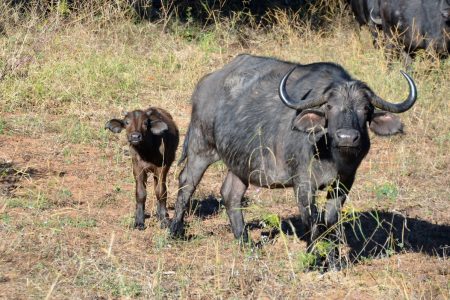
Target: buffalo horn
<point>398,107</point>
<point>294,104</point>
<point>377,21</point>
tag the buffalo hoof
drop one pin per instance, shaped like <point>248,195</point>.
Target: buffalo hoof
<point>139,226</point>
<point>165,223</point>
<point>176,229</point>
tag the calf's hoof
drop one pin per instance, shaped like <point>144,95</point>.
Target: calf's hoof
<point>176,229</point>
<point>139,226</point>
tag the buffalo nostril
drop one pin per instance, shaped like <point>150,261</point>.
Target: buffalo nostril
<point>135,136</point>
<point>347,137</point>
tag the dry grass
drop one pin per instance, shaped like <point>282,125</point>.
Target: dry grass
<point>66,201</point>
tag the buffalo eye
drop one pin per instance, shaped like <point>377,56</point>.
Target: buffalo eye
<point>366,109</point>
<point>127,122</point>
<point>329,106</point>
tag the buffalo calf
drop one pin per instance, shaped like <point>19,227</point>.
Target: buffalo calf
<point>153,139</point>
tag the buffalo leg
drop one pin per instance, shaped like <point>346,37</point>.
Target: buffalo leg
<point>336,198</point>
<point>159,181</point>
<point>233,189</point>
<point>188,181</point>
<point>140,177</point>
<point>308,210</point>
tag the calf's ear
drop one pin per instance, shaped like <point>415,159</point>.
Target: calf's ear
<point>158,127</point>
<point>310,120</point>
<point>115,125</point>
<point>385,123</point>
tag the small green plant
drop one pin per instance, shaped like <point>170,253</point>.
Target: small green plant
<point>67,153</point>
<point>160,240</point>
<point>386,191</point>
<point>67,221</point>
<point>17,203</point>
<point>120,287</point>
<point>40,202</point>
<point>324,247</point>
<point>2,126</point>
<point>63,8</point>
<point>5,218</point>
<point>271,220</point>
<point>65,193</point>
<point>127,221</point>
<point>306,261</point>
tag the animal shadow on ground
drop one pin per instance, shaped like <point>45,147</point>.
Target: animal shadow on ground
<point>209,206</point>
<point>378,233</point>
<point>204,208</point>
<point>11,175</point>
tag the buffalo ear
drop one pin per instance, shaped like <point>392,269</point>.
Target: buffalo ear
<point>385,123</point>
<point>158,127</point>
<point>446,13</point>
<point>310,120</point>
<point>115,125</point>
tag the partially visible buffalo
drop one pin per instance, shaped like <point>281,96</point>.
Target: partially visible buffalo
<point>412,24</point>
<point>419,24</point>
<point>278,124</point>
<point>365,12</point>
<point>363,9</point>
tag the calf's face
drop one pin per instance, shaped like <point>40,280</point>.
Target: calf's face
<point>138,125</point>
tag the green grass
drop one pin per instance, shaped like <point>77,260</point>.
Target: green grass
<point>121,287</point>
<point>5,218</point>
<point>34,200</point>
<point>386,191</point>
<point>67,221</point>
<point>2,126</point>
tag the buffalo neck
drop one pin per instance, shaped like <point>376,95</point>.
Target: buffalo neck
<point>345,161</point>
<point>149,149</point>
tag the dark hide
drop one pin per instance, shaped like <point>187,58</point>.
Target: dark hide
<point>153,138</point>
<point>420,24</point>
<point>362,10</point>
<point>238,117</point>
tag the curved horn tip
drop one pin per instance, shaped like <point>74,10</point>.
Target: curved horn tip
<point>377,21</point>
<point>411,82</point>
<point>398,107</point>
<point>282,90</point>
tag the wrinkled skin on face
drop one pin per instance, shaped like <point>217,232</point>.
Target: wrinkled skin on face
<point>345,116</point>
<point>153,138</point>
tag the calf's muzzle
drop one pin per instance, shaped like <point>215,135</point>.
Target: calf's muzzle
<point>135,138</point>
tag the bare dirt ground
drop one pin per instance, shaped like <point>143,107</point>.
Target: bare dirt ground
<point>67,192</point>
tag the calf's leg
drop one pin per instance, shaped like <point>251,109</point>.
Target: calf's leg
<point>140,177</point>
<point>159,181</point>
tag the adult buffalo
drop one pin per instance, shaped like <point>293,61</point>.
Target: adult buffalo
<point>278,124</point>
<point>416,24</point>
